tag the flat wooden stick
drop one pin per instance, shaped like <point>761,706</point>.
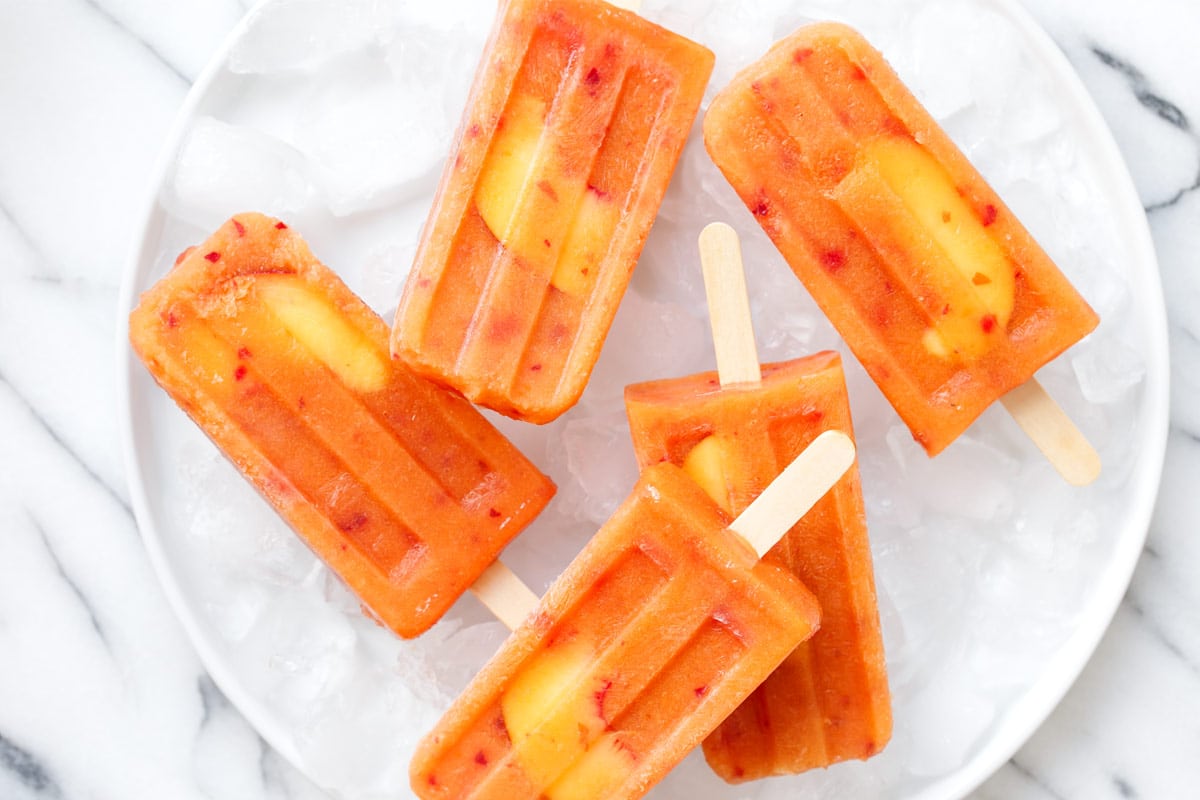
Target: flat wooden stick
<point>728,306</point>
<point>797,489</point>
<point>505,594</point>
<point>1044,421</point>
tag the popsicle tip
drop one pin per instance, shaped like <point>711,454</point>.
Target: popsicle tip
<point>1083,468</point>
<point>717,230</point>
<point>838,448</point>
<point>728,305</point>
<point>1054,433</point>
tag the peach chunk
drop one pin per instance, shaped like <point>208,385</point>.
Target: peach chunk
<point>930,196</point>
<point>554,713</point>
<point>586,243</point>
<point>508,168</point>
<point>595,773</point>
<point>708,465</point>
<point>324,332</point>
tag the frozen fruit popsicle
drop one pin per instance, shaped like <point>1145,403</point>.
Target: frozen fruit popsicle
<point>401,487</point>
<point>664,623</point>
<point>577,117</point>
<point>933,283</point>
<point>733,431</point>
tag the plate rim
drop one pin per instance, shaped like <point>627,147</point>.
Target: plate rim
<point>1044,696</point>
<point>255,712</point>
<point>1039,700</point>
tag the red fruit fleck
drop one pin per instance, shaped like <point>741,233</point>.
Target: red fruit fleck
<point>600,695</point>
<point>432,780</point>
<point>833,260</point>
<point>596,190</point>
<point>481,759</point>
<point>280,226</point>
<point>239,373</point>
<point>945,309</point>
<point>988,323</point>
<point>214,256</point>
<point>801,55</point>
<point>979,279</point>
<point>945,216</point>
<point>593,77</point>
<point>301,403</point>
<point>243,352</point>
<point>585,271</point>
<point>354,523</point>
<point>474,130</point>
<point>858,74</point>
<point>546,242</point>
<point>989,214</point>
<point>424,283</point>
<point>186,252</point>
<point>345,547</point>
<point>739,771</point>
<point>700,691</point>
<point>536,368</point>
<point>239,227</point>
<point>493,513</point>
<point>504,328</point>
<point>546,187</point>
<point>762,209</point>
<point>172,320</point>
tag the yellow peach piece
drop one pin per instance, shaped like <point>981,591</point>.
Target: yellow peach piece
<point>324,332</point>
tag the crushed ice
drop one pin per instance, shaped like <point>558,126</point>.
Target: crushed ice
<point>984,559</point>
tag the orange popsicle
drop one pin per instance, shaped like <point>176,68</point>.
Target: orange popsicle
<point>828,701</point>
<point>664,623</point>
<point>937,288</point>
<point>401,487</point>
<point>577,117</point>
<point>733,431</point>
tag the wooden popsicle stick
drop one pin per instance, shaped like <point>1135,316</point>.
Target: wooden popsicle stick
<point>1044,421</point>
<point>505,594</point>
<point>728,306</point>
<point>797,489</point>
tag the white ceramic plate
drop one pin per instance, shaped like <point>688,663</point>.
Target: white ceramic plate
<point>995,579</point>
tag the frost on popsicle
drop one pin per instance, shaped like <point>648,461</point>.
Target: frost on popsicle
<point>403,489</point>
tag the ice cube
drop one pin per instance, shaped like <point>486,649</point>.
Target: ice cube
<point>947,717</point>
<point>384,271</point>
<point>597,458</point>
<point>223,169</point>
<point>332,742</point>
<point>1105,374</point>
<point>375,142</point>
<point>970,480</point>
<point>439,63</point>
<point>291,35</point>
<point>648,340</point>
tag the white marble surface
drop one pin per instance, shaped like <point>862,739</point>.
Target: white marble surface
<point>101,694</point>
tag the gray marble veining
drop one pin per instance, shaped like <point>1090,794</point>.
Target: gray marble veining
<point>101,695</point>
